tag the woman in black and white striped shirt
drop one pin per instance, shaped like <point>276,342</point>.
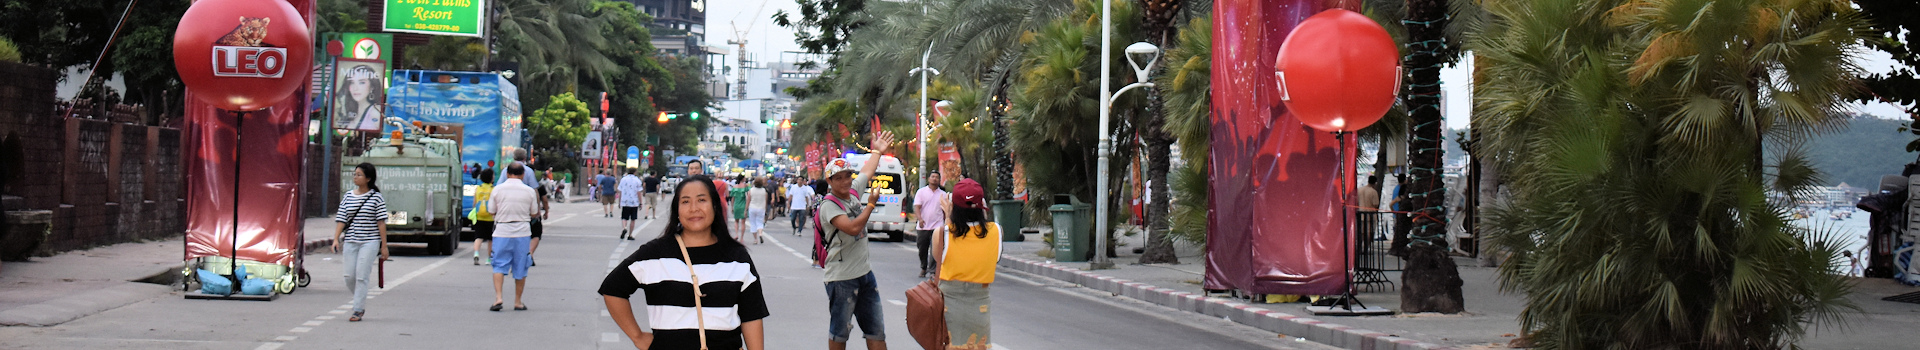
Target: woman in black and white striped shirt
<point>361,222</point>
<point>727,309</point>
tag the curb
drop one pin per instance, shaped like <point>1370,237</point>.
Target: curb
<point>1288,324</point>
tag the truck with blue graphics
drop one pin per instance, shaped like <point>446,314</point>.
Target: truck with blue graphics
<point>479,111</point>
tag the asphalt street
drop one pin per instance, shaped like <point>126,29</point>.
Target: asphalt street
<point>440,302</point>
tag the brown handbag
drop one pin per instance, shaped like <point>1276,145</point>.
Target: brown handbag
<point>927,315</point>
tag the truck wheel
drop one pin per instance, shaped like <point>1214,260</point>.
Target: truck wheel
<point>437,245</point>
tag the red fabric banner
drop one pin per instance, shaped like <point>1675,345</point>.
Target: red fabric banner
<point>1275,223</point>
<point>271,166</point>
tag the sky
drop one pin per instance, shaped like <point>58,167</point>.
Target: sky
<point>765,41</point>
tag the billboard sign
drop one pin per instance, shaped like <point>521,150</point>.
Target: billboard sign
<point>435,17</point>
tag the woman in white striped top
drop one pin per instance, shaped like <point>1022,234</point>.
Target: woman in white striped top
<point>361,222</point>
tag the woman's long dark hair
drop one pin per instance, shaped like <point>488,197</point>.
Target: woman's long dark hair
<point>373,174</point>
<point>961,218</point>
<point>718,226</point>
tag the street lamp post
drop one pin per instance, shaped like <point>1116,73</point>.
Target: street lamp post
<point>1135,51</point>
<point>920,120</point>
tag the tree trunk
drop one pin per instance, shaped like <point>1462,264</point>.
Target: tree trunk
<point>1002,155</point>
<point>1432,281</point>
<point>1159,245</point>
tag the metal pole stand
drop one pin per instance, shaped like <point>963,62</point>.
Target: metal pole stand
<point>1346,302</point>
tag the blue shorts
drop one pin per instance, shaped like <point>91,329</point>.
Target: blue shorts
<point>510,256</point>
<point>854,300</point>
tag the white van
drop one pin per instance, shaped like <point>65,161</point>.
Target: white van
<point>890,181</point>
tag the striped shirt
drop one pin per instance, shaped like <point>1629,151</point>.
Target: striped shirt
<point>363,214</point>
<point>727,277</point>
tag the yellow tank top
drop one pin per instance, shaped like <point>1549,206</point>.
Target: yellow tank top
<point>480,198</point>
<point>971,258</point>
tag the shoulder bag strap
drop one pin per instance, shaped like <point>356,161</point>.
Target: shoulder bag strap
<point>699,310</point>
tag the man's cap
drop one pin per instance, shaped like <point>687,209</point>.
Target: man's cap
<point>837,166</point>
<point>968,194</point>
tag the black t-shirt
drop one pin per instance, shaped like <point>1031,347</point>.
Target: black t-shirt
<point>727,277</point>
<point>651,184</point>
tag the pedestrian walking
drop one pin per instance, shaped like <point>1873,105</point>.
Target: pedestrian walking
<point>482,217</point>
<point>757,201</point>
<point>739,195</point>
<point>696,168</point>
<point>798,198</point>
<point>852,293</point>
<point>361,223</point>
<point>629,203</point>
<point>609,194</point>
<point>702,289</point>
<point>514,205</point>
<point>520,156</point>
<point>969,249</point>
<point>927,203</point>
<point>651,186</point>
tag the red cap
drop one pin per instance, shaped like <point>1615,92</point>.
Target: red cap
<point>967,194</point>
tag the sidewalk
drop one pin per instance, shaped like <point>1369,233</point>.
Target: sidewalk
<point>1491,320</point>
<point>53,290</point>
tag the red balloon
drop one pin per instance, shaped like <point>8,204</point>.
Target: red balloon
<point>242,55</point>
<point>1338,71</point>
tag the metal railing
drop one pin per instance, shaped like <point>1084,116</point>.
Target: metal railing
<point>1373,232</point>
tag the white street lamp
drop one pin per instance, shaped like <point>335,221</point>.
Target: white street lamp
<point>920,120</point>
<point>1135,53</point>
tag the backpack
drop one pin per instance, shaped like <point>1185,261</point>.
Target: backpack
<point>822,237</point>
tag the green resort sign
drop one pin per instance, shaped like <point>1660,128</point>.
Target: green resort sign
<point>437,17</point>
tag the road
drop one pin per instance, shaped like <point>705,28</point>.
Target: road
<point>441,302</point>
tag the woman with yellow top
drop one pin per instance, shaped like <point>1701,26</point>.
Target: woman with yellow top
<point>969,249</point>
<point>482,219</point>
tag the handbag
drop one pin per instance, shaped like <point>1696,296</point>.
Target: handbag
<point>927,315</point>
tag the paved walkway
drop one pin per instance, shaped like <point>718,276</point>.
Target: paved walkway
<point>1489,323</point>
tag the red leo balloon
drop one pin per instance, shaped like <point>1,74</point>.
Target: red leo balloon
<point>242,55</point>
<point>1338,71</point>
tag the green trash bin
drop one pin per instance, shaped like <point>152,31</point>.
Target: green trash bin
<point>1011,215</point>
<point>1072,228</point>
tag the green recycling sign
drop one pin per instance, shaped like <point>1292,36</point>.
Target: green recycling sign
<point>436,17</point>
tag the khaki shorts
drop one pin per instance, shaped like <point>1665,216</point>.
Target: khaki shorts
<point>606,200</point>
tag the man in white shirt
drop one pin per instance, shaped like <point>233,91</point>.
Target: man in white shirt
<point>514,207</point>
<point>926,204</point>
<point>797,198</point>
<point>629,203</point>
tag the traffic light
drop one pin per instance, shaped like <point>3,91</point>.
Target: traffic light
<point>694,114</point>
<point>662,119</point>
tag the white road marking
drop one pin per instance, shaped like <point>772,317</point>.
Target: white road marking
<point>285,338</point>
<point>1016,278</point>
<point>422,270</point>
<point>796,253</point>
<point>569,216</point>
<point>604,313</point>
<point>323,318</point>
<point>300,329</point>
<point>313,323</point>
<point>609,337</point>
<point>345,306</point>
<point>268,346</point>
<point>996,346</point>
<point>338,312</point>
<point>896,302</point>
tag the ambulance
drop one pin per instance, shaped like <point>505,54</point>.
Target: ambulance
<point>889,180</point>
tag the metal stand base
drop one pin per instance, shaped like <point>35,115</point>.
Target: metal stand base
<point>235,296</point>
<point>1347,310</point>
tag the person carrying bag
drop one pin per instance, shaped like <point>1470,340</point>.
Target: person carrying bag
<point>969,253</point>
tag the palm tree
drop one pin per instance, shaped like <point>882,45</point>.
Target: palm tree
<point>1189,118</point>
<point>557,42</point>
<point>1157,24</point>
<point>1431,281</point>
<point>1642,218</point>
<point>984,40</point>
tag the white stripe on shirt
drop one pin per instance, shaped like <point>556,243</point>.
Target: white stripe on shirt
<point>666,269</point>
<point>681,317</point>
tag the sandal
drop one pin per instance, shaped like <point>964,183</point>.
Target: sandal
<point>356,316</point>
<point>496,307</point>
<point>519,308</point>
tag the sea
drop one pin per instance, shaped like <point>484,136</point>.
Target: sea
<point>1851,230</point>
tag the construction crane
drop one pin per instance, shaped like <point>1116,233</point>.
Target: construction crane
<point>740,41</point>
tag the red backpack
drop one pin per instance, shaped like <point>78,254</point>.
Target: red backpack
<point>822,237</point>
